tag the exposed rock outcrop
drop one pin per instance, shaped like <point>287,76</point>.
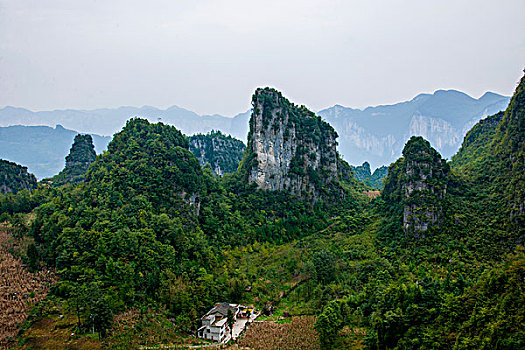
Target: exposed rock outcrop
<point>223,153</point>
<point>418,182</point>
<point>378,134</point>
<point>289,147</point>
<point>425,186</point>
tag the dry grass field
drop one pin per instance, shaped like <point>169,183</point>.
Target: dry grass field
<point>299,333</point>
<point>19,289</point>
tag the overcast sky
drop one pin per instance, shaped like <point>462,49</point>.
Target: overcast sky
<point>208,56</point>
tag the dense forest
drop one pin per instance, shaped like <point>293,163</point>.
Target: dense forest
<point>148,239</point>
<point>14,177</point>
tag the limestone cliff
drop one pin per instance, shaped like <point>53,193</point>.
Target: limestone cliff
<point>378,134</point>
<point>418,182</point>
<point>289,147</point>
<point>222,152</point>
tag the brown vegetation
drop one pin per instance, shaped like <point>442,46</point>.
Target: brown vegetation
<point>372,194</point>
<point>19,289</point>
<point>299,333</point>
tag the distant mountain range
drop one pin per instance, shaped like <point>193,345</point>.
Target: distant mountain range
<point>107,121</point>
<point>41,149</point>
<point>374,134</point>
<point>378,134</point>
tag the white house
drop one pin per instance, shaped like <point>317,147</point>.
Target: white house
<point>215,322</point>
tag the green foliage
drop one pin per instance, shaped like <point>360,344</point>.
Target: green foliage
<point>324,264</point>
<point>476,143</point>
<point>373,180</point>
<point>14,177</point>
<point>330,322</point>
<point>222,152</point>
<point>81,155</point>
<point>33,256</point>
<point>151,227</point>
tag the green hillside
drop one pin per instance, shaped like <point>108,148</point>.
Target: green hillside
<point>14,177</point>
<point>152,239</point>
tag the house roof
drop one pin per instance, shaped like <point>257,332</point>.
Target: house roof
<point>221,309</point>
<point>221,322</point>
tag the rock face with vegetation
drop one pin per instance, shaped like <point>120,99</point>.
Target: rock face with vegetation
<point>375,179</point>
<point>222,152</point>
<point>289,147</point>
<point>14,177</point>
<point>436,262</point>
<point>81,155</point>
<point>419,182</point>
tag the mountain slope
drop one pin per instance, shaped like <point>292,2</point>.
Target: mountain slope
<point>492,157</point>
<point>374,134</point>
<point>14,177</point>
<point>375,179</point>
<point>289,147</point>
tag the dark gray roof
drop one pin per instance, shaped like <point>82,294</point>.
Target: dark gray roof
<point>221,309</point>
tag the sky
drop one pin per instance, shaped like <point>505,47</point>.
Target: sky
<point>209,56</point>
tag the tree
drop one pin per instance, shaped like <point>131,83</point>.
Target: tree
<point>33,256</point>
<point>330,321</point>
<point>231,321</point>
<point>324,263</point>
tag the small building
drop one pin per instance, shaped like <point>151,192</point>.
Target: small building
<point>215,322</point>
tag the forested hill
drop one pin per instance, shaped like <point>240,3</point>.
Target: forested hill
<point>493,158</point>
<point>14,177</point>
<point>81,155</point>
<point>289,148</point>
<point>222,153</point>
<point>375,179</point>
<point>151,240</point>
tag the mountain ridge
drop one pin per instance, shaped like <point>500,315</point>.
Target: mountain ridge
<point>375,134</point>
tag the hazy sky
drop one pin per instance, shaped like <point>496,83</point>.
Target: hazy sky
<point>208,56</point>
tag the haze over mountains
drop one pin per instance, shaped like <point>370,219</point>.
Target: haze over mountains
<point>41,149</point>
<point>377,134</point>
<point>374,134</point>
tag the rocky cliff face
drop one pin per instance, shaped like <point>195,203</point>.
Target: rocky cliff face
<point>81,155</point>
<point>14,177</point>
<point>289,147</point>
<point>222,153</point>
<point>378,134</point>
<point>425,186</point>
<point>417,184</point>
